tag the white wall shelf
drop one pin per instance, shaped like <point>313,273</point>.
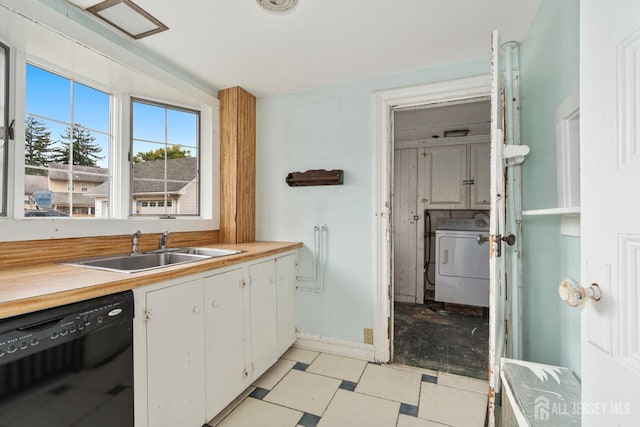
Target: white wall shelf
<point>569,218</point>
<point>552,211</point>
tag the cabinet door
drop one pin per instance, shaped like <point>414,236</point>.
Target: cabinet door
<point>286,301</point>
<point>442,172</point>
<point>479,172</point>
<point>224,328</point>
<point>405,225</point>
<point>264,334</point>
<point>175,356</point>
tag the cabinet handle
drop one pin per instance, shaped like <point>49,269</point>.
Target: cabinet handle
<point>196,309</point>
<point>445,256</point>
<point>215,304</point>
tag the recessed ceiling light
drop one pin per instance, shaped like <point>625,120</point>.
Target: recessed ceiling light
<point>127,16</point>
<point>277,5</point>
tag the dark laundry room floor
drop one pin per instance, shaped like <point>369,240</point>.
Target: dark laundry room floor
<point>431,337</point>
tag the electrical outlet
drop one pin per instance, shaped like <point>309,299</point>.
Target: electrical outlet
<point>368,336</point>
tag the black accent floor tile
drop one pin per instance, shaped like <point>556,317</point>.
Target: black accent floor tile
<point>407,409</point>
<point>300,366</point>
<point>60,389</point>
<point>348,385</point>
<point>116,390</point>
<point>309,420</point>
<point>259,393</point>
<point>429,379</point>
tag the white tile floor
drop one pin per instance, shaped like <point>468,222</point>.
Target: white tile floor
<point>310,389</point>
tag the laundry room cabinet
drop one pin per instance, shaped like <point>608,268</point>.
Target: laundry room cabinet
<point>454,176</point>
<point>206,340</point>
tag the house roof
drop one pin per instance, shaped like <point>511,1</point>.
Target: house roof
<point>183,170</point>
<point>35,183</point>
<point>59,171</point>
<point>79,199</point>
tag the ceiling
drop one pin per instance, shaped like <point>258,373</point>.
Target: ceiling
<point>325,42</point>
<point>432,122</point>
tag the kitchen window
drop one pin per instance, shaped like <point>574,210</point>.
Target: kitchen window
<point>67,141</point>
<point>165,155</point>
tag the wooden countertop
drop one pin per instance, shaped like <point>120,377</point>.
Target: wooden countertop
<point>39,286</point>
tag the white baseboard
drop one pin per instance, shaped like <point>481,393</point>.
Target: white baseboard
<point>335,346</point>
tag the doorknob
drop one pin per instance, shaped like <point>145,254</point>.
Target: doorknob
<point>480,239</point>
<point>572,293</point>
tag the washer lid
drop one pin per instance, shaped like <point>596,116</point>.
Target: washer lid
<point>462,224</point>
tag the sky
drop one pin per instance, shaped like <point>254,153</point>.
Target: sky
<point>49,95</point>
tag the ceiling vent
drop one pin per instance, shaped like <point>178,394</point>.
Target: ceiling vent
<point>277,5</point>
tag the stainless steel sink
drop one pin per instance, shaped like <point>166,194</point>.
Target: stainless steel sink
<point>210,252</point>
<point>151,260</point>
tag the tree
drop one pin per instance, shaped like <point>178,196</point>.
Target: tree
<point>85,152</point>
<point>173,152</point>
<point>37,144</point>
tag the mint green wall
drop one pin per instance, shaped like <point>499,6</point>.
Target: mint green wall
<point>330,128</point>
<point>549,58</point>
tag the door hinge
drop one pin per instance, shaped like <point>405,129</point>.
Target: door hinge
<point>243,284</point>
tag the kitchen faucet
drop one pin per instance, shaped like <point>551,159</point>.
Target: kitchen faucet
<point>134,242</point>
<point>163,240</point>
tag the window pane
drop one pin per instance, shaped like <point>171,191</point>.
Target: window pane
<point>164,169</point>
<point>48,95</point>
<point>66,164</point>
<point>90,108</point>
<point>148,122</point>
<point>182,128</point>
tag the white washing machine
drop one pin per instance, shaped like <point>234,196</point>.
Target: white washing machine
<point>462,261</point>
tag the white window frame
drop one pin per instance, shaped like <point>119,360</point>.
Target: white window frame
<point>63,46</point>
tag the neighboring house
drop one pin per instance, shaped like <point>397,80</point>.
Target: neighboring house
<point>70,189</point>
<point>151,197</point>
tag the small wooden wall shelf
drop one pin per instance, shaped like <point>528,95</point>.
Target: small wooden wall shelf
<point>315,177</point>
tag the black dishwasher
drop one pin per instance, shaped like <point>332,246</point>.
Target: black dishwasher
<point>69,366</point>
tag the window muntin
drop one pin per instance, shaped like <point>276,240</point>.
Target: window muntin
<point>4,126</point>
<point>165,155</point>
<point>67,142</point>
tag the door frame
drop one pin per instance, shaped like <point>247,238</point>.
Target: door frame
<point>384,102</point>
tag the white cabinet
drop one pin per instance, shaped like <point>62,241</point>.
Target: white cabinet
<point>454,176</point>
<point>480,174</point>
<point>442,173</point>
<point>175,356</point>
<point>204,341</point>
<point>286,283</point>
<point>264,322</point>
<point>226,356</point>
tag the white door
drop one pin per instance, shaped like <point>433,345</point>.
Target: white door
<point>479,175</point>
<point>175,356</point>
<point>264,322</point>
<point>445,177</point>
<point>405,225</point>
<point>610,211</point>
<point>497,282</point>
<point>226,374</point>
<point>286,284</point>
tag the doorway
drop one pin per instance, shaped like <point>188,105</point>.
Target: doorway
<point>384,103</point>
<point>440,206</point>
